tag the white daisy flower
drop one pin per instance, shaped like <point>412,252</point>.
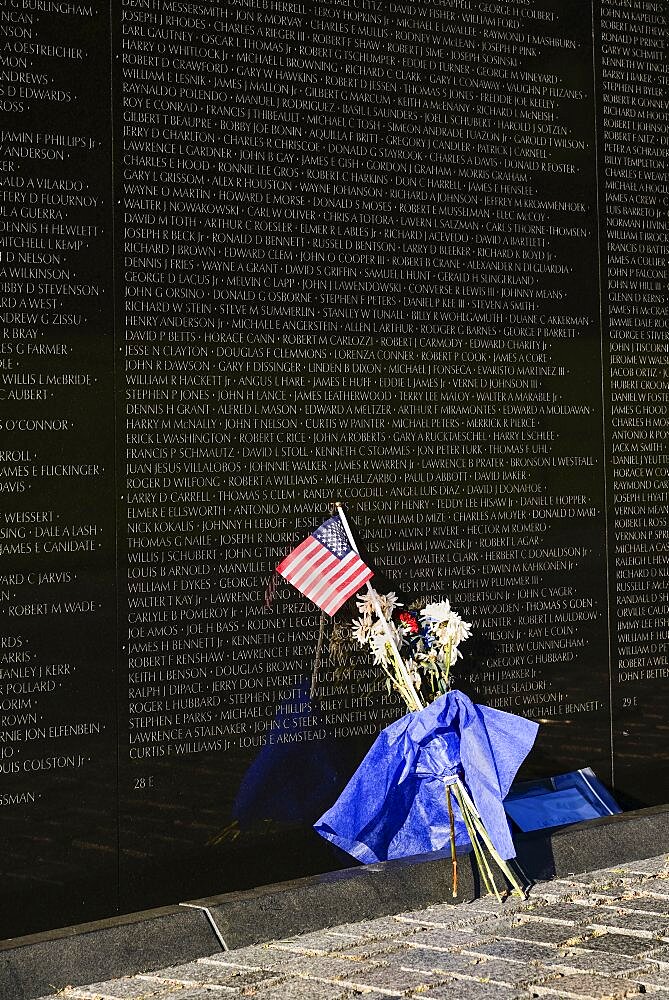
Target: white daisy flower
<point>436,612</point>
<point>361,631</point>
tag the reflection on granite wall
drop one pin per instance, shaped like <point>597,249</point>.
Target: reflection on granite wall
<point>262,255</point>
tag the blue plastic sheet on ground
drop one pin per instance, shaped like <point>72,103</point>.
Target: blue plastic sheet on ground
<point>560,801</point>
<point>395,806</point>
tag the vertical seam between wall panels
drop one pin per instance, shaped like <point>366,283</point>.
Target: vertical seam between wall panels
<point>117,658</point>
<point>603,388</point>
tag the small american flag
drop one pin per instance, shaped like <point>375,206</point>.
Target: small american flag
<point>325,568</point>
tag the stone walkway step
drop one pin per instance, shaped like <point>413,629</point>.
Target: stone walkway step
<point>599,936</point>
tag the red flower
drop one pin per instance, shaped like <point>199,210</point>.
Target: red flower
<point>408,619</point>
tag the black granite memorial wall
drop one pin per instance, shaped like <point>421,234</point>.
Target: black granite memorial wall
<point>259,256</point>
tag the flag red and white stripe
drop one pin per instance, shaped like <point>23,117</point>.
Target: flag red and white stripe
<point>325,568</point>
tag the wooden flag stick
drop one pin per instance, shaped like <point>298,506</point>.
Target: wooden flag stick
<point>390,639</point>
<point>318,657</point>
<point>454,859</point>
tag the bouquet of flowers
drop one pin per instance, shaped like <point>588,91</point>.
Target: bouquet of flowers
<point>416,648</point>
<point>427,641</point>
<point>438,775</point>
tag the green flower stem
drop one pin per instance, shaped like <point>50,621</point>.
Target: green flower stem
<point>489,871</point>
<point>451,823</point>
<point>394,681</point>
<point>483,863</point>
<point>412,697</point>
<point>476,819</point>
<point>471,835</point>
<point>407,691</point>
<point>448,662</point>
<point>484,871</point>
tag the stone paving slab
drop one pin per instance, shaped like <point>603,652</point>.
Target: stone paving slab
<point>525,952</point>
<point>445,939</point>
<point>447,915</point>
<point>253,957</point>
<point>657,980</point>
<point>657,887</point>
<point>649,866</point>
<point>539,931</point>
<point>639,924</point>
<point>584,987</point>
<point>301,989</point>
<point>601,935</point>
<point>638,903</point>
<point>323,966</point>
<point>557,889</point>
<point>428,960</point>
<point>660,955</point>
<point>575,914</point>
<point>346,949</point>
<point>459,990</point>
<point>619,944</point>
<point>499,972</point>
<point>395,980</point>
<point>376,930</point>
<point>597,962</point>
<point>138,988</point>
<point>123,989</point>
<point>206,972</point>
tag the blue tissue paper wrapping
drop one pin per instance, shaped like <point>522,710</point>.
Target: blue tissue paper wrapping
<point>395,806</point>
